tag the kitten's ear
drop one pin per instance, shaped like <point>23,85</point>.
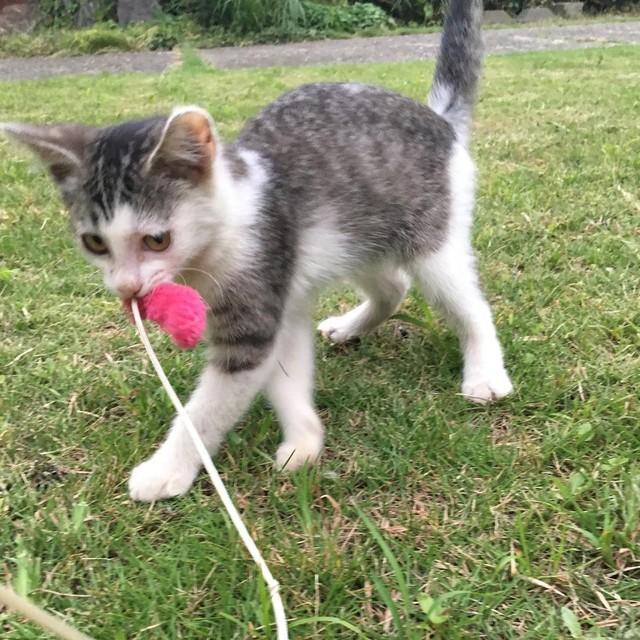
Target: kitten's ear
<point>187,146</point>
<point>60,147</point>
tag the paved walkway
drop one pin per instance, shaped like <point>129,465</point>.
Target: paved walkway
<point>48,66</point>
<point>355,50</point>
<point>420,47</point>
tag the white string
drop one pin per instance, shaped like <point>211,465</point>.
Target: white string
<point>273,585</point>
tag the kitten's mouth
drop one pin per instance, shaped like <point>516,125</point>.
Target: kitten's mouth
<point>159,278</point>
<point>125,303</point>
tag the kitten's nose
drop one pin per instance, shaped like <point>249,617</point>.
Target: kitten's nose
<point>129,289</point>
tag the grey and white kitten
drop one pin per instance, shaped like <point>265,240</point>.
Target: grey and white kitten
<point>329,182</point>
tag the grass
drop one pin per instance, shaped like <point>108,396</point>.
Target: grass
<point>428,517</point>
<point>170,33</point>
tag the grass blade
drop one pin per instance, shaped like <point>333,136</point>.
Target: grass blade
<point>389,555</point>
<point>327,620</point>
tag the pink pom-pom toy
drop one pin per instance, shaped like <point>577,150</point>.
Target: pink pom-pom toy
<point>178,310</point>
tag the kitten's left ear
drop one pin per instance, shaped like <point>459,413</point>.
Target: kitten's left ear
<point>187,146</point>
<point>60,147</point>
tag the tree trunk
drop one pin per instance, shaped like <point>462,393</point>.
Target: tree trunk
<point>137,10</point>
<point>17,15</point>
<point>87,13</point>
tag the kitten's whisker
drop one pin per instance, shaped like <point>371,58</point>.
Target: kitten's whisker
<point>206,273</point>
<point>213,279</point>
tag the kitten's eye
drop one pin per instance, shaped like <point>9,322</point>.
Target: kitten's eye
<point>158,242</point>
<point>94,243</point>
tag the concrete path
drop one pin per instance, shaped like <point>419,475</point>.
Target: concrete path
<point>420,47</point>
<point>355,50</point>
<point>49,66</point>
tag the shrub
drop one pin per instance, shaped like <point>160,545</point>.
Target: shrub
<point>597,6</point>
<point>426,11</point>
<point>279,18</point>
<point>58,13</point>
<point>283,16</point>
<point>214,22</point>
<point>346,19</point>
<point>64,13</point>
<point>514,6</point>
<point>241,16</point>
<point>100,39</point>
<point>166,32</point>
<point>419,11</point>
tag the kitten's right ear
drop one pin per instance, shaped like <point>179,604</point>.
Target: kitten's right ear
<point>187,146</point>
<point>60,147</point>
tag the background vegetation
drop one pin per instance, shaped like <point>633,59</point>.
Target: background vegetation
<point>278,19</point>
<point>205,23</point>
<point>429,517</point>
<point>255,15</point>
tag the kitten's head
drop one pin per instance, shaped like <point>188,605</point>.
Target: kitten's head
<point>138,193</point>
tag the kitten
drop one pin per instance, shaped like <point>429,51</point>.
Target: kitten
<point>330,181</point>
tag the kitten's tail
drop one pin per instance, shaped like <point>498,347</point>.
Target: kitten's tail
<point>458,68</point>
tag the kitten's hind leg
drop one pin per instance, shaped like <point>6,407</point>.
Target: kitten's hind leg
<point>290,391</point>
<point>385,289</point>
<point>448,278</point>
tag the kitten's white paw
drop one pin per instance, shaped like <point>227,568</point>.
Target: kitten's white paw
<point>483,388</point>
<point>157,479</point>
<point>292,455</point>
<point>338,329</point>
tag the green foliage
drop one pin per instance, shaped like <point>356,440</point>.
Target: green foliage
<point>280,17</point>
<point>165,33</point>
<point>292,16</point>
<point>427,11</point>
<point>96,40</point>
<point>593,6</point>
<point>240,16</point>
<point>416,11</point>
<point>64,13</point>
<point>596,6</point>
<point>58,13</point>
<point>360,16</point>
<point>227,22</point>
<point>515,6</point>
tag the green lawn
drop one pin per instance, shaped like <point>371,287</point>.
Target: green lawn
<point>519,520</point>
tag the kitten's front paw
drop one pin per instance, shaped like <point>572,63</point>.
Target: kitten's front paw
<point>487,388</point>
<point>338,329</point>
<point>156,479</point>
<point>292,455</point>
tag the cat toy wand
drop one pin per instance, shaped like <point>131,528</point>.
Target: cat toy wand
<point>181,312</point>
<point>191,299</point>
